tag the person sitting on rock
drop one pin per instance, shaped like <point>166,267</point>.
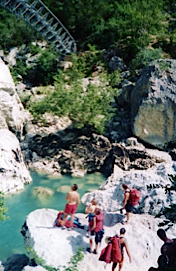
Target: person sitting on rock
<point>73,200</point>
<point>96,230</point>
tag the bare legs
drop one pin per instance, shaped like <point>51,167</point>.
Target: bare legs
<point>120,265</point>
<point>128,216</point>
<point>90,244</point>
<point>71,221</point>
<point>96,247</point>
<point>115,264</point>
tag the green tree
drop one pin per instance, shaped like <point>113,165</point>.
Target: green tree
<point>127,24</point>
<point>91,106</point>
<point>14,32</point>
<point>45,68</point>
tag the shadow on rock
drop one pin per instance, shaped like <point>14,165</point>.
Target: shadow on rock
<point>113,218</point>
<point>77,242</point>
<point>16,262</point>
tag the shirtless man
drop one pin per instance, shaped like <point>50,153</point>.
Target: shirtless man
<point>73,200</point>
<point>126,204</point>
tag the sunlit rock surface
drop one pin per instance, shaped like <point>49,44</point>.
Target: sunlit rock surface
<point>12,114</point>
<point>153,101</point>
<point>152,183</point>
<point>13,172</point>
<point>56,246</point>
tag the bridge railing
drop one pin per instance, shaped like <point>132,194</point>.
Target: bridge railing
<point>36,13</point>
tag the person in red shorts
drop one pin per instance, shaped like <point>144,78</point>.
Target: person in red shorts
<point>73,200</point>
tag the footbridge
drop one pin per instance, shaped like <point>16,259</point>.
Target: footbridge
<point>36,13</point>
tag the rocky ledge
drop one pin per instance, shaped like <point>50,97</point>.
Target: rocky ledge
<point>56,246</point>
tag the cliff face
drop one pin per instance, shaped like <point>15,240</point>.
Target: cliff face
<point>13,172</point>
<point>153,104</point>
<point>12,114</point>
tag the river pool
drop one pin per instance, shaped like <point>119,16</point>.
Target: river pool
<point>22,203</point>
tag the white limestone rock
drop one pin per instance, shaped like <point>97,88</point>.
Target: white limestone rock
<point>12,114</point>
<point>110,194</point>
<point>56,246</point>
<point>33,268</point>
<point>1,266</point>
<point>13,172</point>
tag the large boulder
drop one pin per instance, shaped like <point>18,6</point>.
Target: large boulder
<point>57,246</point>
<point>152,183</point>
<point>12,114</point>
<point>153,104</point>
<point>67,152</point>
<point>13,172</point>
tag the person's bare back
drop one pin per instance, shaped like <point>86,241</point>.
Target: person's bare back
<point>72,198</point>
<point>72,205</point>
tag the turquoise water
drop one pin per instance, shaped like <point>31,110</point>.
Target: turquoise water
<point>21,204</point>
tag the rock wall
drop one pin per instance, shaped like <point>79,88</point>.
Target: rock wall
<point>56,246</point>
<point>151,182</point>
<point>12,114</point>
<point>13,172</point>
<point>153,104</point>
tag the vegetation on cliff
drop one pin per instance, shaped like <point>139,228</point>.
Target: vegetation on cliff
<point>3,208</point>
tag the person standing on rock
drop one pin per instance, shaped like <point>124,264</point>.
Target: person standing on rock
<point>90,209</point>
<point>96,230</point>
<point>126,202</point>
<point>73,200</point>
<point>123,244</point>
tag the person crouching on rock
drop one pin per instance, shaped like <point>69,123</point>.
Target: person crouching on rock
<point>96,230</point>
<point>73,200</point>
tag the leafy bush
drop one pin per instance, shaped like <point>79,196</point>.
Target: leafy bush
<point>42,70</point>
<point>145,56</point>
<point>115,78</point>
<point>90,106</point>
<point>14,32</point>
<point>3,209</point>
<point>73,264</point>
<point>46,67</point>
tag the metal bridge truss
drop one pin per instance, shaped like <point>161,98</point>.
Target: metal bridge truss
<point>35,13</point>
